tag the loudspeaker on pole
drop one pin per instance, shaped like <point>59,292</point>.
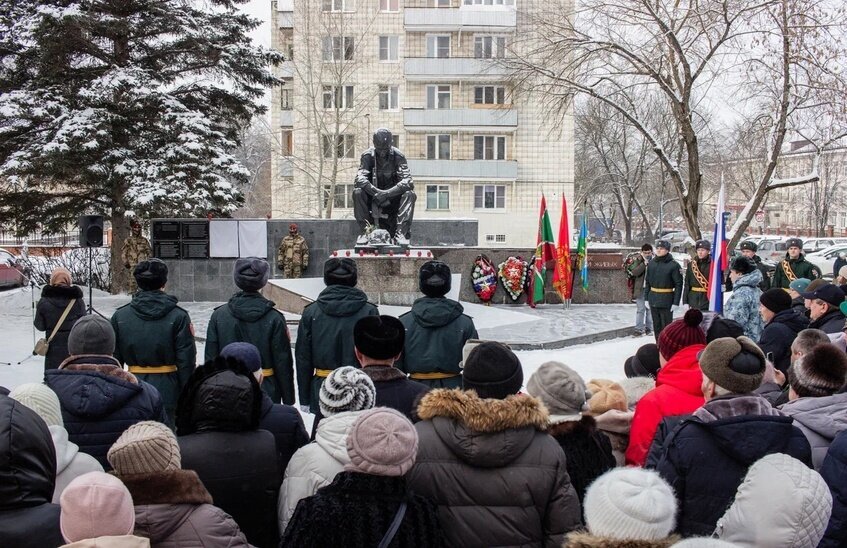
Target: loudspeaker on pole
<point>91,230</point>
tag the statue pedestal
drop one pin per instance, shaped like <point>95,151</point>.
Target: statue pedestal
<point>389,278</point>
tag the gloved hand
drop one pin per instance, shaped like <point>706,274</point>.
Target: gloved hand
<point>382,198</point>
<point>305,409</point>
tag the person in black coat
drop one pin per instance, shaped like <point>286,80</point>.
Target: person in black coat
<point>283,421</point>
<point>219,437</point>
<point>358,508</point>
<point>782,324</point>
<point>99,398</point>
<point>28,519</point>
<point>378,344</point>
<point>824,309</point>
<point>834,473</point>
<point>55,298</point>
<point>706,457</point>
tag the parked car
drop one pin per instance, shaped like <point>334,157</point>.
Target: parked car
<point>10,272</point>
<point>773,250</point>
<point>816,244</point>
<point>825,258</point>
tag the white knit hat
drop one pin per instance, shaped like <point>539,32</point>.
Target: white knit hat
<point>41,399</point>
<point>797,500</point>
<point>630,504</point>
<point>703,542</point>
<point>346,389</point>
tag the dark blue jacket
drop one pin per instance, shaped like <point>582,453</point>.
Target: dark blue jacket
<point>100,400</point>
<point>705,462</point>
<point>286,424</point>
<point>778,335</point>
<point>396,391</point>
<point>834,472</point>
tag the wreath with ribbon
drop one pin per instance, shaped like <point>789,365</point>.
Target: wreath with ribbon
<point>484,278</point>
<point>513,275</point>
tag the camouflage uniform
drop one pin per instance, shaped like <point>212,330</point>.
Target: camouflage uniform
<point>293,256</point>
<point>135,250</point>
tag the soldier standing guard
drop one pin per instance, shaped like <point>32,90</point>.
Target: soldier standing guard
<point>794,266</point>
<point>293,254</point>
<point>697,277</point>
<point>136,249</point>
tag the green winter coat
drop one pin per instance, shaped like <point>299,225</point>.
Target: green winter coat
<point>663,273</point>
<point>692,297</point>
<point>800,267</point>
<point>152,330</point>
<point>436,331</point>
<point>325,337</point>
<point>249,317</point>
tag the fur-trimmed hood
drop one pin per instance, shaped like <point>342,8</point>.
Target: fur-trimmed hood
<point>485,432</point>
<point>383,373</point>
<point>61,292</point>
<point>172,487</point>
<point>582,539</point>
<point>106,365</point>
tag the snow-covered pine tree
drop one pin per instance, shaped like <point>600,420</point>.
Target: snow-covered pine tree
<point>122,107</point>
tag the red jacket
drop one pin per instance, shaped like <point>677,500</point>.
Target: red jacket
<point>678,392</point>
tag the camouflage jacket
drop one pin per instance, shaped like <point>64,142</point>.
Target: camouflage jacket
<point>293,249</point>
<point>135,250</point>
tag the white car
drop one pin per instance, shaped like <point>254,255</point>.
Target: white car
<point>817,244</point>
<point>774,250</point>
<point>825,258</point>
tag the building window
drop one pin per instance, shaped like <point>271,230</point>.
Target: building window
<point>440,3</point>
<point>438,96</point>
<point>438,46</point>
<point>489,2</point>
<point>338,48</point>
<point>395,140</point>
<point>389,5</point>
<point>437,197</point>
<point>388,48</point>
<point>337,5</point>
<point>287,141</point>
<point>495,238</point>
<point>340,97</point>
<point>285,99</point>
<point>339,146</point>
<point>438,147</point>
<point>389,97</point>
<point>489,197</point>
<point>489,147</point>
<point>342,196</point>
<point>489,95</point>
<point>489,47</point>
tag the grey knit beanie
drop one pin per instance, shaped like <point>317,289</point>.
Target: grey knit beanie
<point>146,447</point>
<point>382,442</point>
<point>251,273</point>
<point>346,389</point>
<point>91,334</point>
<point>561,390</point>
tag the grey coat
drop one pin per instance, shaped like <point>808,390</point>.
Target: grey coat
<point>497,478</point>
<point>820,419</point>
<point>743,305</point>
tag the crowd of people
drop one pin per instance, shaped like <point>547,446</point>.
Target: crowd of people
<point>722,433</point>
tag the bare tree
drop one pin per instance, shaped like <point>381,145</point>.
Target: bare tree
<point>254,153</point>
<point>776,59</point>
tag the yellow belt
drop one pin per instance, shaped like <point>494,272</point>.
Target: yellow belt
<point>698,289</point>
<point>661,290</point>
<point>323,373</point>
<point>152,369</point>
<point>435,375</point>
<point>267,372</point>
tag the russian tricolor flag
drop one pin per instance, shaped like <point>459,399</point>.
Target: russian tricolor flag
<point>719,256</point>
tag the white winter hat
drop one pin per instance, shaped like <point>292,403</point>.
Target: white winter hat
<point>630,504</point>
<point>798,505</point>
<point>41,399</point>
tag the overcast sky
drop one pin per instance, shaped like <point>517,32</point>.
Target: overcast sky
<point>260,9</point>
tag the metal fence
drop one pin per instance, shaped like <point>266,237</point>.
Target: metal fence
<point>43,239</point>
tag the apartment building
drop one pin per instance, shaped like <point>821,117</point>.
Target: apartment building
<point>430,71</point>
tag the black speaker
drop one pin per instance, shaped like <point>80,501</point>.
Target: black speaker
<point>91,230</point>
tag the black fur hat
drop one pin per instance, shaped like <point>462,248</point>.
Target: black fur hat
<point>435,279</point>
<point>151,275</point>
<point>379,337</point>
<point>340,272</point>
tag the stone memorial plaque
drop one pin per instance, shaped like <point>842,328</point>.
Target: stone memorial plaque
<point>195,230</point>
<point>166,230</point>
<point>167,250</point>
<point>195,250</point>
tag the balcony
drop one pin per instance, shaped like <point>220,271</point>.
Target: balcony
<point>433,69</point>
<point>286,118</point>
<point>460,19</point>
<point>467,119</point>
<point>474,170</point>
<point>285,14</point>
<point>286,69</point>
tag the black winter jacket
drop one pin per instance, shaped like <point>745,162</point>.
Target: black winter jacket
<point>706,457</point>
<point>663,274</point>
<point>834,472</point>
<point>587,450</point>
<point>54,299</point>
<point>217,427</point>
<point>356,510</point>
<point>436,331</point>
<point>27,479</point>
<point>779,333</point>
<point>100,400</point>
<point>830,323</point>
<point>396,391</point>
<point>286,424</point>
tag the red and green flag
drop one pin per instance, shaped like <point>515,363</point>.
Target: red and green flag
<point>545,252</point>
<point>562,276</point>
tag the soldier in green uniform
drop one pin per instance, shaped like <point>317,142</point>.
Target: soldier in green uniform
<point>293,254</point>
<point>325,332</point>
<point>697,277</point>
<point>250,317</point>
<point>154,336</point>
<point>135,250</point>
<point>662,286</point>
<point>436,331</point>
<point>794,266</point>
